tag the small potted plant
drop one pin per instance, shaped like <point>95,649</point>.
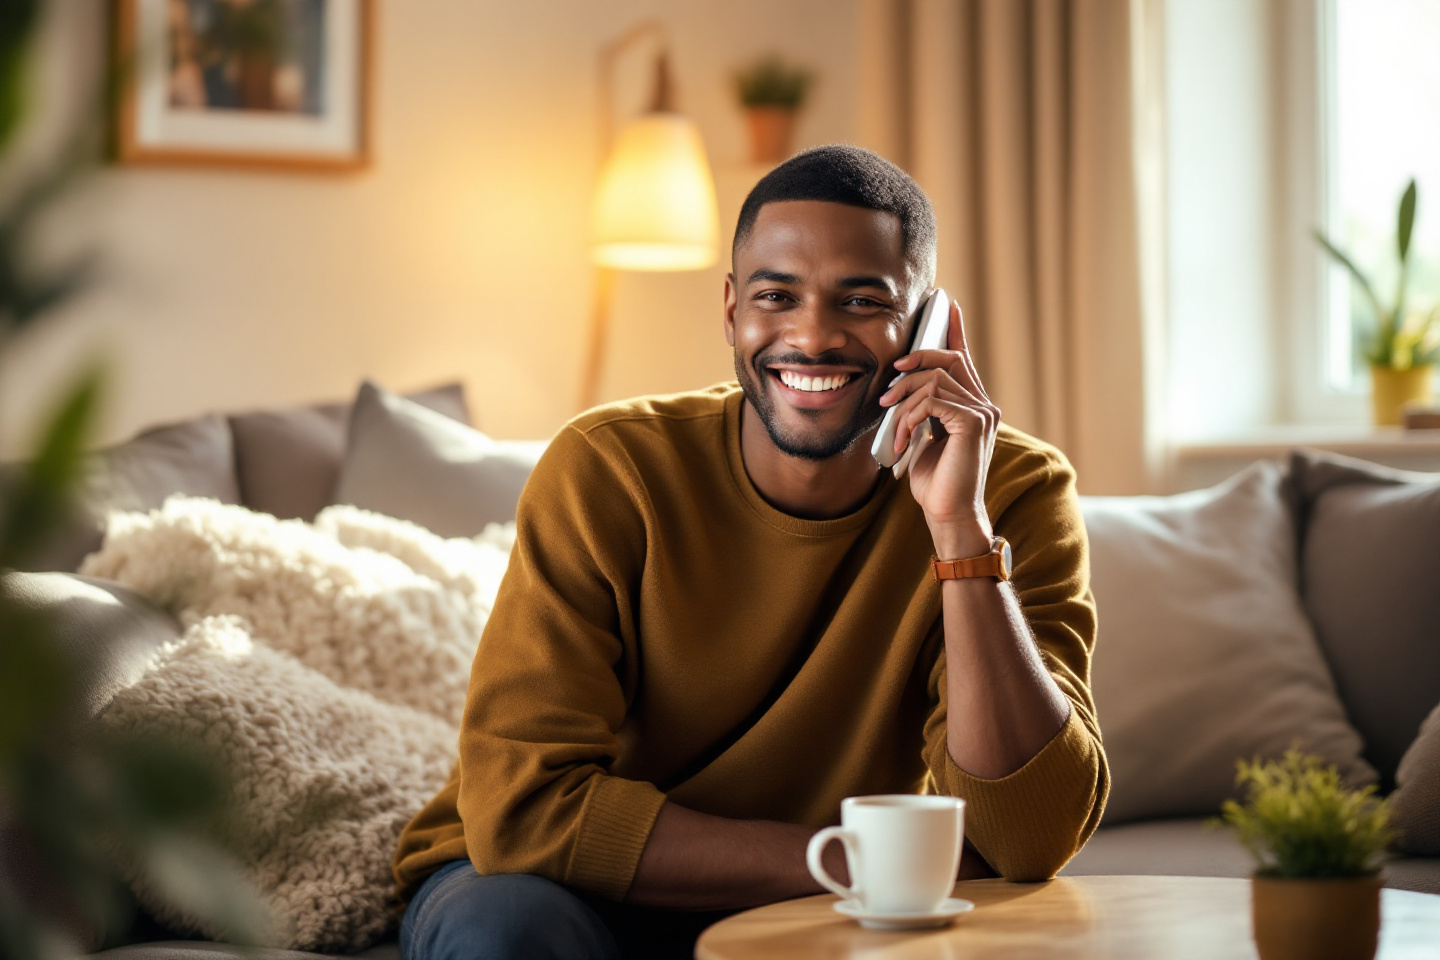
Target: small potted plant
<point>1401,346</point>
<point>772,92</point>
<point>1317,846</point>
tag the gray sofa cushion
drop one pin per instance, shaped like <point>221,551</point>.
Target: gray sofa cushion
<point>196,457</point>
<point>1415,804</point>
<point>1193,848</point>
<point>1170,848</point>
<point>1204,654</point>
<point>1370,558</point>
<point>405,461</point>
<point>287,461</point>
<point>202,950</point>
<point>106,631</point>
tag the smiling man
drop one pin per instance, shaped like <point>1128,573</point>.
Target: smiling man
<point>722,617</point>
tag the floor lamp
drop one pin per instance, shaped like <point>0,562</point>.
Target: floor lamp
<point>655,201</point>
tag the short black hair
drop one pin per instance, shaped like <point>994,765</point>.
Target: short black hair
<point>839,173</point>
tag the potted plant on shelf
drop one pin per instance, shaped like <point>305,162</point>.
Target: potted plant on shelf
<point>1402,346</point>
<point>1317,845</point>
<point>772,92</point>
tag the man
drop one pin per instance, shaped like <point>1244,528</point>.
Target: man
<point>720,617</point>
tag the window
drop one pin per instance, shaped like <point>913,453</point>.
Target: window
<point>1281,117</point>
<point>1382,70</point>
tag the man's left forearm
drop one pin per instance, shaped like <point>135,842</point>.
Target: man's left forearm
<point>1003,706</point>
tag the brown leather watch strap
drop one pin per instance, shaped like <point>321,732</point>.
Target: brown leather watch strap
<point>992,564</point>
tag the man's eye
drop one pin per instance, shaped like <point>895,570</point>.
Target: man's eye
<point>772,296</point>
<point>863,302</point>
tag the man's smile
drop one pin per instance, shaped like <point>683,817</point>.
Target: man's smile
<point>815,387</point>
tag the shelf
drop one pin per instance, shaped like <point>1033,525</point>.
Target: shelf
<point>1351,441</point>
<point>1201,463</point>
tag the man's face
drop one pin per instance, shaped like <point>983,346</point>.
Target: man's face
<point>817,311</point>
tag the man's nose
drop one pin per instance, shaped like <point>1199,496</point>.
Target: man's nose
<point>814,330</point>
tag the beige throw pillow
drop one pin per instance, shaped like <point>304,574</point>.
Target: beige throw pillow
<point>406,461</point>
<point>1415,804</point>
<point>1204,654</point>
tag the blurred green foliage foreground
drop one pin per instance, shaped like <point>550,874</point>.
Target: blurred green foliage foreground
<point>81,813</point>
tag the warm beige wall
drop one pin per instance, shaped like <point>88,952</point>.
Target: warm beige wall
<point>460,253</point>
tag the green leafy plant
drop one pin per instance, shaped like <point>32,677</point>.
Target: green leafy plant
<point>1397,338</point>
<point>771,82</point>
<point>1299,819</point>
<point>81,811</point>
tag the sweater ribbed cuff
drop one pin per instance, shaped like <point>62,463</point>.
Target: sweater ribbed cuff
<point>1030,823</point>
<point>614,826</point>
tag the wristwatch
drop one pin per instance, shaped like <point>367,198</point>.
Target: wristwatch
<point>995,564</point>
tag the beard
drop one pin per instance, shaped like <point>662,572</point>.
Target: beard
<point>812,444</point>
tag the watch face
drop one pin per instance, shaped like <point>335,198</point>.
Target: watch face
<point>1005,559</point>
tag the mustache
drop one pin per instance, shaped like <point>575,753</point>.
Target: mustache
<point>830,358</point>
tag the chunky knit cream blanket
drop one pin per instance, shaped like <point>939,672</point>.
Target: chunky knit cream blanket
<point>324,667</point>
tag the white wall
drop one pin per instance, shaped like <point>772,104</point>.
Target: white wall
<point>460,253</point>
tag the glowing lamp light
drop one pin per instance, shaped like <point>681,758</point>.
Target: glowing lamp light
<point>655,205</point>
<point>655,200</point>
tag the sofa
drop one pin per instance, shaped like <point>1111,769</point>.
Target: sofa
<point>1291,605</point>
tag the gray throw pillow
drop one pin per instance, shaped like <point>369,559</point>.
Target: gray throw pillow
<point>1369,561</point>
<point>196,457</point>
<point>406,461</point>
<point>287,461</point>
<point>104,631</point>
<point>1204,655</point>
<point>1415,804</point>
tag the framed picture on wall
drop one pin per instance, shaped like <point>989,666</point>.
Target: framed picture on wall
<point>266,83</point>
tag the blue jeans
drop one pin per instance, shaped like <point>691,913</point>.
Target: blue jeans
<point>459,915</point>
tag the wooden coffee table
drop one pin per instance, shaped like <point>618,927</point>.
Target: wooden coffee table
<point>1076,918</point>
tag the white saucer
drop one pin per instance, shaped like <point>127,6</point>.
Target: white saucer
<point>947,911</point>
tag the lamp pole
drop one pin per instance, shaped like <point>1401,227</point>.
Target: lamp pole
<point>603,285</point>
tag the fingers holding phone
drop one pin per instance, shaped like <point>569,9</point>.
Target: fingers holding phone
<point>941,390</point>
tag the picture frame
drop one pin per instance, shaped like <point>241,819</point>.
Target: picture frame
<point>278,84</point>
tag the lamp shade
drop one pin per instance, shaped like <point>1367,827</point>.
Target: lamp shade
<point>655,206</point>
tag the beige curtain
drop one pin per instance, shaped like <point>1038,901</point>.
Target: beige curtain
<point>1016,117</point>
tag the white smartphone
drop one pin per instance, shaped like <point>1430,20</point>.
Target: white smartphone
<point>932,332</point>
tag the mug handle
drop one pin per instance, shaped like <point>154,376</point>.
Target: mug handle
<point>818,843</point>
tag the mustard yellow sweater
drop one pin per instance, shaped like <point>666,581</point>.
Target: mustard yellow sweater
<point>662,632</point>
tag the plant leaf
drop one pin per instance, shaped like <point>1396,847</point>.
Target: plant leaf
<point>1349,265</point>
<point>38,297</point>
<point>1406,225</point>
<point>205,881</point>
<point>18,19</point>
<point>40,495</point>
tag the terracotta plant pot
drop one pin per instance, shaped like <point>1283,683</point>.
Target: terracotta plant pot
<point>771,131</point>
<point>1393,389</point>
<point>1322,919</point>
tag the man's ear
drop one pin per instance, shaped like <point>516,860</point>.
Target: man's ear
<point>731,298</point>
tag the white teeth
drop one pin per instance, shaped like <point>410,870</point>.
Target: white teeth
<point>798,381</point>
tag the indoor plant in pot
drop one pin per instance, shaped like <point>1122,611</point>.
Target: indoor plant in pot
<point>772,93</point>
<point>1317,844</point>
<point>1401,346</point>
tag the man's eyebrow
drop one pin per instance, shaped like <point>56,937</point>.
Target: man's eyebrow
<point>772,276</point>
<point>845,283</point>
<point>884,283</point>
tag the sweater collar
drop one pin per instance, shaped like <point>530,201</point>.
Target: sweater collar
<point>779,519</point>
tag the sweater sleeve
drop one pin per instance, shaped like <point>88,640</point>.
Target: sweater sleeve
<point>551,682</point>
<point>1028,824</point>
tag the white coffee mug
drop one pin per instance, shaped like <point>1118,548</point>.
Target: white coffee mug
<point>903,851</point>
